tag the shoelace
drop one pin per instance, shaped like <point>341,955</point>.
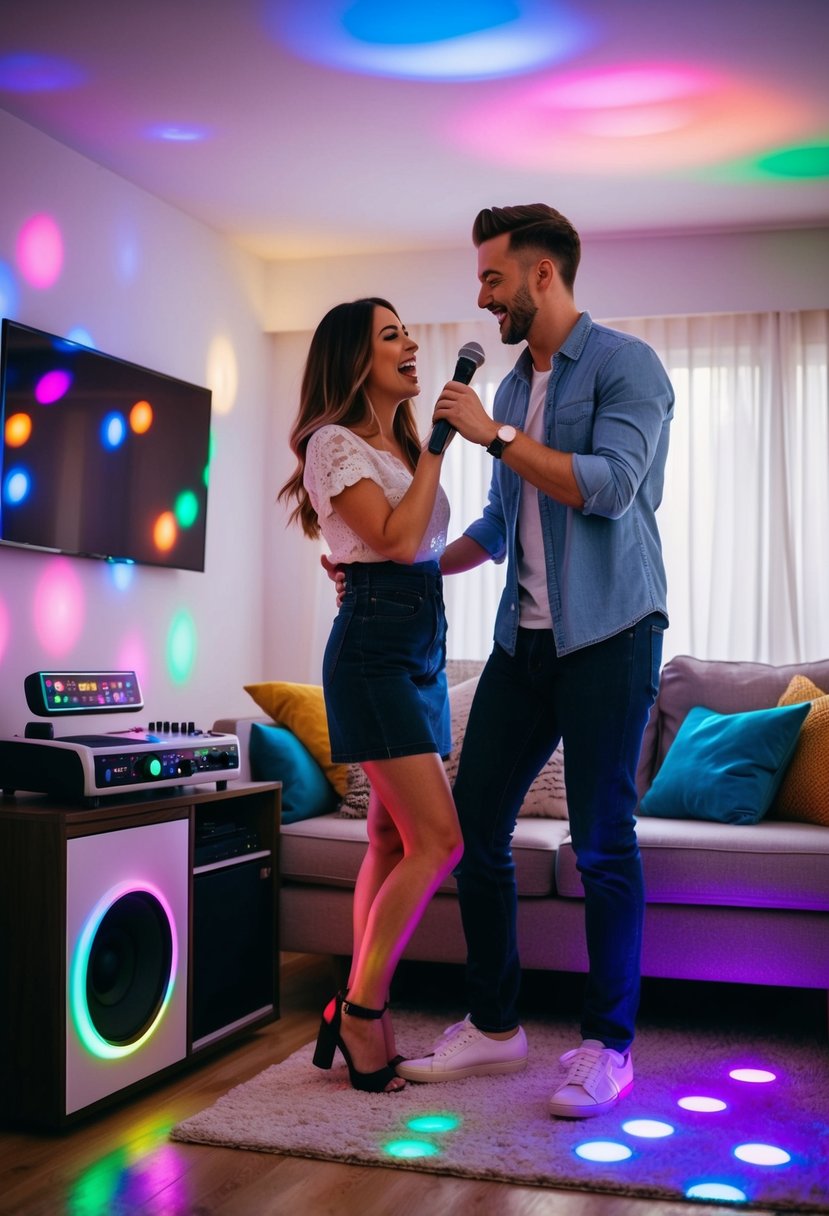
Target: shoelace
<point>585,1066</point>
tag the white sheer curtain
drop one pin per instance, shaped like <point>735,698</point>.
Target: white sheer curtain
<point>745,518</point>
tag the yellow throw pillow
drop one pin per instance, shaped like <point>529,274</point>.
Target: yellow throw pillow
<point>301,707</point>
<point>804,791</point>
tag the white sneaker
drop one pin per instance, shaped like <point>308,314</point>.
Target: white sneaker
<point>463,1051</point>
<point>597,1077</point>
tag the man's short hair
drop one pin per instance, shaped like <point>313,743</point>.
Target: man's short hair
<point>533,226</point>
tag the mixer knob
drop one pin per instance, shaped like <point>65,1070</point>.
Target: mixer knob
<point>148,768</point>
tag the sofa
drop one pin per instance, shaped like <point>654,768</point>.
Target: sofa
<point>733,827</point>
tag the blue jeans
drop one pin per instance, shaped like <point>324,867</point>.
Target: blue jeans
<point>597,699</point>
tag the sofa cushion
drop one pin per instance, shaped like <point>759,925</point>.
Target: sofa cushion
<point>725,766</point>
<point>327,851</point>
<point>545,798</point>
<point>687,861</point>
<point>724,686</point>
<point>301,707</point>
<point>276,754</point>
<point>804,792</point>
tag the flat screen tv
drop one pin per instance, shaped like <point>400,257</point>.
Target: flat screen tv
<point>100,458</point>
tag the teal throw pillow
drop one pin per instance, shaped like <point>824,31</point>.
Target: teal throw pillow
<point>277,755</point>
<point>725,767</point>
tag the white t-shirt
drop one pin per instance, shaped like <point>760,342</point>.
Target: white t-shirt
<point>336,458</point>
<point>533,601</point>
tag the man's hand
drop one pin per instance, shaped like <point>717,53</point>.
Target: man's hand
<point>461,407</point>
<point>335,573</point>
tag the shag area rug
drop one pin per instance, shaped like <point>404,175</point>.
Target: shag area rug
<point>690,1128</point>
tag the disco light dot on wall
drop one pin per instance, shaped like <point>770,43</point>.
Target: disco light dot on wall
<point>59,608</point>
<point>25,72</point>
<point>433,40</point>
<point>81,337</point>
<point>807,161</point>
<point>122,575</point>
<point>5,628</point>
<point>174,134</point>
<point>9,294</point>
<point>181,647</point>
<point>222,374</point>
<point>40,251</point>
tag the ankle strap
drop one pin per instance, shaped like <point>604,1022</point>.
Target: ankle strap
<point>360,1011</point>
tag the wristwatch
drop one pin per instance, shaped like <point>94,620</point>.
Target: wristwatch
<point>506,434</point>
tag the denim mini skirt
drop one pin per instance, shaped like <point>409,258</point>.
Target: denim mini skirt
<point>383,672</point>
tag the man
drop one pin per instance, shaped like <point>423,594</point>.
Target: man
<point>580,438</point>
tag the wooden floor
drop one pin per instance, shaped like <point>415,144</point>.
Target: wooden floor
<point>123,1163</point>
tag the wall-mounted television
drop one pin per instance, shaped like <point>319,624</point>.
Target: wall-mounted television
<point>100,457</point>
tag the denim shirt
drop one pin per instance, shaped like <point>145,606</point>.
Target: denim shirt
<point>609,402</point>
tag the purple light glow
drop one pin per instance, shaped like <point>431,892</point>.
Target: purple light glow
<point>40,251</point>
<point>762,1154</point>
<point>52,386</point>
<point>752,1076</point>
<point>702,1105</point>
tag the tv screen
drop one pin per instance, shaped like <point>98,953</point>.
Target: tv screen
<point>100,458</point>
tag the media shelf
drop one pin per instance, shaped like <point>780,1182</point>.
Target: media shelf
<point>137,936</point>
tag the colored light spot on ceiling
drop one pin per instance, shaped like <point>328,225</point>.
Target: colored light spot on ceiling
<point>18,429</point>
<point>804,162</point>
<point>165,532</point>
<point>427,21</point>
<point>179,134</point>
<point>603,1150</point>
<point>27,73</point>
<point>637,119</point>
<point>8,291</point>
<point>762,1154</point>
<point>16,486</point>
<point>411,1149</point>
<point>181,647</point>
<point>431,41</point>
<point>5,629</point>
<point>59,608</point>
<point>186,509</point>
<point>701,1104</point>
<point>648,1129</point>
<point>113,430</point>
<point>716,1190</point>
<point>434,1123</point>
<point>141,417</point>
<point>752,1076</point>
<point>52,386</point>
<point>222,374</point>
<point>40,251</point>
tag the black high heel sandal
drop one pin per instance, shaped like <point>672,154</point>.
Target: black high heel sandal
<point>329,1039</point>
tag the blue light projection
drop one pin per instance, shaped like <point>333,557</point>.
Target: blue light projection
<point>178,135</point>
<point>432,40</point>
<point>9,294</point>
<point>26,73</point>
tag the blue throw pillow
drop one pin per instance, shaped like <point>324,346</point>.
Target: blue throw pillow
<point>277,755</point>
<point>725,767</point>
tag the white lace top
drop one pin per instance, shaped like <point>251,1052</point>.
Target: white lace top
<point>336,458</point>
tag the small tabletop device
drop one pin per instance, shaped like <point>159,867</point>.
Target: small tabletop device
<point>54,693</point>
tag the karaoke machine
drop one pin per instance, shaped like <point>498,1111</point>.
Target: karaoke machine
<point>88,767</point>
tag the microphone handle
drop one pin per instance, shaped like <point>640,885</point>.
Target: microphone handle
<point>464,371</point>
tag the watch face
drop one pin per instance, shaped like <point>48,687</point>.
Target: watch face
<point>506,433</point>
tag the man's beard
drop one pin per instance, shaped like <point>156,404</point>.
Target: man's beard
<point>520,316</point>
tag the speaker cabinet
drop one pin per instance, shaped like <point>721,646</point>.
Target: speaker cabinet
<point>126,952</point>
<point>118,962</point>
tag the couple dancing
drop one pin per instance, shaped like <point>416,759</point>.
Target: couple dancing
<point>579,441</point>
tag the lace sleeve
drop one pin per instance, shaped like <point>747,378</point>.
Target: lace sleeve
<point>333,461</point>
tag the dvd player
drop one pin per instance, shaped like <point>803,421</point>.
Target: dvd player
<point>121,762</point>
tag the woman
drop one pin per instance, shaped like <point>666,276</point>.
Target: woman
<point>364,483</point>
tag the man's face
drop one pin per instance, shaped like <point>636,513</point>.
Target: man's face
<point>505,289</point>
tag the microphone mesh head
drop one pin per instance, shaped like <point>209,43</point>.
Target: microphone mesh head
<point>473,352</point>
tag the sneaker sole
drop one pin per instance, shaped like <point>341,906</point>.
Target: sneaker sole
<point>566,1111</point>
<point>459,1074</point>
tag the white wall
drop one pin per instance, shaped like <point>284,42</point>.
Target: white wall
<point>155,287</point>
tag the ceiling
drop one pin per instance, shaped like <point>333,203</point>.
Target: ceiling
<point>347,126</point>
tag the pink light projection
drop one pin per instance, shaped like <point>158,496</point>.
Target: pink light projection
<point>59,608</point>
<point>632,119</point>
<point>40,251</point>
<point>5,628</point>
<point>132,656</point>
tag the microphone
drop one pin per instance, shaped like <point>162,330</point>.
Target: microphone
<point>470,357</point>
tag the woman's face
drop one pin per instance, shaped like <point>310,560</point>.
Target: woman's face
<point>393,373</point>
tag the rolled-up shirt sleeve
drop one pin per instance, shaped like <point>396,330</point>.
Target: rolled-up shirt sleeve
<point>636,402</point>
<point>490,530</point>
